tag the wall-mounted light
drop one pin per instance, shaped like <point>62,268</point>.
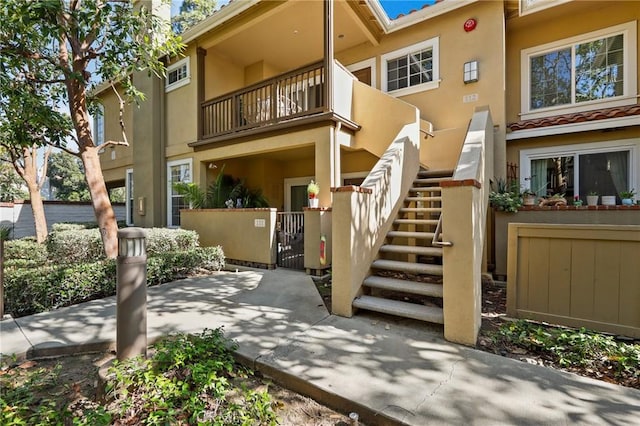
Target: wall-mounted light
<point>470,73</point>
<point>212,165</point>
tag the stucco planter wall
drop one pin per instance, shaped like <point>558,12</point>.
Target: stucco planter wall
<point>317,225</point>
<point>605,215</point>
<point>246,235</point>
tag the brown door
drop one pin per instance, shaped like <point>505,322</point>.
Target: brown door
<point>363,75</point>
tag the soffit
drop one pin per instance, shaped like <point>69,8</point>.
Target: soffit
<point>288,35</point>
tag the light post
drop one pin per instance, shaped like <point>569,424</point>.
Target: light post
<point>131,294</point>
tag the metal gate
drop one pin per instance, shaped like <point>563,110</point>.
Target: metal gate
<point>290,230</point>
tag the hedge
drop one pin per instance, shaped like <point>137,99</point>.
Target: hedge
<point>25,248</point>
<point>44,288</point>
<point>73,243</point>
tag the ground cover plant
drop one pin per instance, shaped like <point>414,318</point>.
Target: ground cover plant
<point>186,379</point>
<point>71,267</point>
<point>588,353</point>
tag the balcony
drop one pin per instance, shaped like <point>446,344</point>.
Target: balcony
<point>295,94</point>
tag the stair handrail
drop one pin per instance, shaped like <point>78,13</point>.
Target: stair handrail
<point>436,236</point>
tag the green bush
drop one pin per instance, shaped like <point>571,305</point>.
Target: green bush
<point>39,289</point>
<point>162,240</point>
<point>75,245</point>
<point>25,248</point>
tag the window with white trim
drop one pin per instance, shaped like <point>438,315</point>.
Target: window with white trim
<point>177,171</point>
<point>576,74</point>
<point>178,75</point>
<point>411,69</point>
<point>98,125</point>
<point>603,167</point>
<point>129,201</point>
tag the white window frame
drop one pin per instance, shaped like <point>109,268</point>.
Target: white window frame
<point>98,126</point>
<point>631,145</point>
<point>367,63</point>
<point>171,164</point>
<point>128,196</point>
<point>432,43</point>
<point>630,92</point>
<point>182,81</point>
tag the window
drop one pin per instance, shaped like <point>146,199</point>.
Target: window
<point>129,201</point>
<point>574,74</point>
<point>177,171</point>
<point>178,75</point>
<point>412,69</point>
<point>606,168</point>
<point>98,126</point>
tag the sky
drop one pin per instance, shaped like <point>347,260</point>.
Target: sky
<point>392,7</point>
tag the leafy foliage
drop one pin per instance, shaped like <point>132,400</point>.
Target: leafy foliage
<point>222,193</point>
<point>192,12</point>
<point>11,185</point>
<point>44,287</point>
<point>505,196</point>
<point>191,379</point>
<point>570,347</point>
<point>66,177</point>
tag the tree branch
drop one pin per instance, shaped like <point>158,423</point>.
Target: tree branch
<point>43,171</point>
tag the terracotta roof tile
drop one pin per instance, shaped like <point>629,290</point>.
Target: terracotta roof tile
<point>578,117</point>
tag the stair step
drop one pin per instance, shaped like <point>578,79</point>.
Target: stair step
<point>402,309</point>
<point>413,287</point>
<point>425,189</point>
<point>435,173</point>
<point>429,181</point>
<point>424,199</point>
<point>420,209</point>
<point>419,250</point>
<point>433,222</point>
<point>408,267</point>
<point>411,234</point>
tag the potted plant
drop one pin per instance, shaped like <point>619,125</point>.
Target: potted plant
<point>592,198</point>
<point>312,191</point>
<point>608,200</point>
<point>627,197</point>
<point>528,197</point>
<point>577,201</point>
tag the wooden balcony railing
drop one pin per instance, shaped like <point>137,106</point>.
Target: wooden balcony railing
<point>293,94</point>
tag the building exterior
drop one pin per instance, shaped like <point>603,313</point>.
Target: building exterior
<point>462,86</point>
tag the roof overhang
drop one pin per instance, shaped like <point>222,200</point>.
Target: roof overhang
<point>414,17</point>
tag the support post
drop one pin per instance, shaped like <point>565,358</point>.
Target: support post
<point>131,294</point>
<point>328,55</point>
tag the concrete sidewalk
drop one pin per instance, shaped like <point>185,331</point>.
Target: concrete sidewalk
<point>389,371</point>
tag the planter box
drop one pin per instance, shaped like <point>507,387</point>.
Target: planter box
<point>247,236</point>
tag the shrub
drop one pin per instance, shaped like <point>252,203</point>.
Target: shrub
<point>40,289</point>
<point>25,248</point>
<point>74,245</point>
<point>162,240</point>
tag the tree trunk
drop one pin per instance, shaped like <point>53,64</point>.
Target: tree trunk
<point>29,173</point>
<point>102,208</point>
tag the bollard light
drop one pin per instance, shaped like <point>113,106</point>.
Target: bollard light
<point>131,294</point>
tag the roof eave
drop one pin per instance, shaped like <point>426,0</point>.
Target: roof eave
<point>437,9</point>
<point>227,12</point>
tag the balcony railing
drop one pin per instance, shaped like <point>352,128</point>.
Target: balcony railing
<point>293,94</point>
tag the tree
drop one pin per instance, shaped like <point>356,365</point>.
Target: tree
<point>11,185</point>
<point>192,12</point>
<point>66,177</point>
<point>74,44</point>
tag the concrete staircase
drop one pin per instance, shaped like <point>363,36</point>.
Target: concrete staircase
<point>408,271</point>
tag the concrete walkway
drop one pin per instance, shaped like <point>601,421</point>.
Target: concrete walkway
<point>388,371</point>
